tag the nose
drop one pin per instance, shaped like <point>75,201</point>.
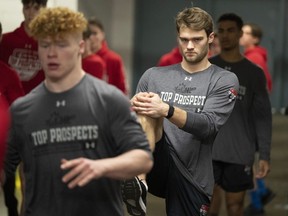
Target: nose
<point>51,51</point>
<point>190,45</point>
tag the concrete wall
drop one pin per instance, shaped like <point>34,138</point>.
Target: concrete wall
<point>117,17</point>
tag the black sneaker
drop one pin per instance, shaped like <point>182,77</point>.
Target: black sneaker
<point>134,195</point>
<point>268,197</point>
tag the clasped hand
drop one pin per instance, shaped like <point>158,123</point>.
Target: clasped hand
<point>150,104</point>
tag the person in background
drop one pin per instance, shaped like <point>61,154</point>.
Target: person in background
<point>92,63</point>
<point>114,64</point>
<point>19,50</point>
<point>4,128</point>
<point>77,136</point>
<point>250,40</point>
<point>195,99</point>
<point>250,122</point>
<point>10,89</point>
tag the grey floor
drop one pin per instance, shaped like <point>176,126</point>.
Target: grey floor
<point>277,179</point>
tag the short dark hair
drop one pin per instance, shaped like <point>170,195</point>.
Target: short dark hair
<point>231,17</point>
<point>0,28</point>
<point>86,33</point>
<point>96,22</point>
<point>40,2</point>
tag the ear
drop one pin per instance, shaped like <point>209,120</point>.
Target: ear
<point>211,37</point>
<point>255,40</point>
<point>81,46</point>
<point>241,33</point>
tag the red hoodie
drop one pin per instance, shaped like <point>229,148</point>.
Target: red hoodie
<point>94,65</point>
<point>172,57</point>
<point>114,67</point>
<point>4,126</point>
<point>10,85</point>
<point>258,55</point>
<point>19,50</point>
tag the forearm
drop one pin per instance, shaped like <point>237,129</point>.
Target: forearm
<point>128,165</point>
<point>263,126</point>
<point>83,170</point>
<point>11,162</point>
<point>179,117</point>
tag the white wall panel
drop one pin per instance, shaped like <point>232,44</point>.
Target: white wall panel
<point>11,11</point>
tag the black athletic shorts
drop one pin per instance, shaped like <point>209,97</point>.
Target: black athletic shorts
<point>183,198</point>
<point>166,181</point>
<point>233,177</point>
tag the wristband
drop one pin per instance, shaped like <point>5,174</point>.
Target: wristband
<point>170,111</point>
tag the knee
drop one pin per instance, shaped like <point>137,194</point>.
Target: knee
<point>235,208</point>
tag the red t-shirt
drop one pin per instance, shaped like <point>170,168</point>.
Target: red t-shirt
<point>94,65</point>
<point>114,67</point>
<point>4,126</point>
<point>10,85</point>
<point>19,51</point>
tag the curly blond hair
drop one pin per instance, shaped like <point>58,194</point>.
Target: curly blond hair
<point>56,22</point>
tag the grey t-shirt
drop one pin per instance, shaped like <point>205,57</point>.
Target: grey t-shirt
<point>207,96</point>
<point>250,123</point>
<point>91,120</point>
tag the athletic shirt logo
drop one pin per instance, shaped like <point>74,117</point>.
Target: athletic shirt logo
<point>232,94</point>
<point>204,210</point>
<point>25,62</point>
<point>60,103</point>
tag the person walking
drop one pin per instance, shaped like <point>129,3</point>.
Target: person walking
<point>76,135</point>
<point>250,41</point>
<point>115,73</point>
<point>11,88</point>
<point>250,123</point>
<point>91,62</point>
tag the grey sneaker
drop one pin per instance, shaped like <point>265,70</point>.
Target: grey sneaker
<point>134,196</point>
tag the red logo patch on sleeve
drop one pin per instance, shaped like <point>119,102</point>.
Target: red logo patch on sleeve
<point>232,94</point>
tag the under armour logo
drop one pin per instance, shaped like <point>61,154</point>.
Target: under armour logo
<point>188,78</point>
<point>60,103</point>
<point>90,145</point>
